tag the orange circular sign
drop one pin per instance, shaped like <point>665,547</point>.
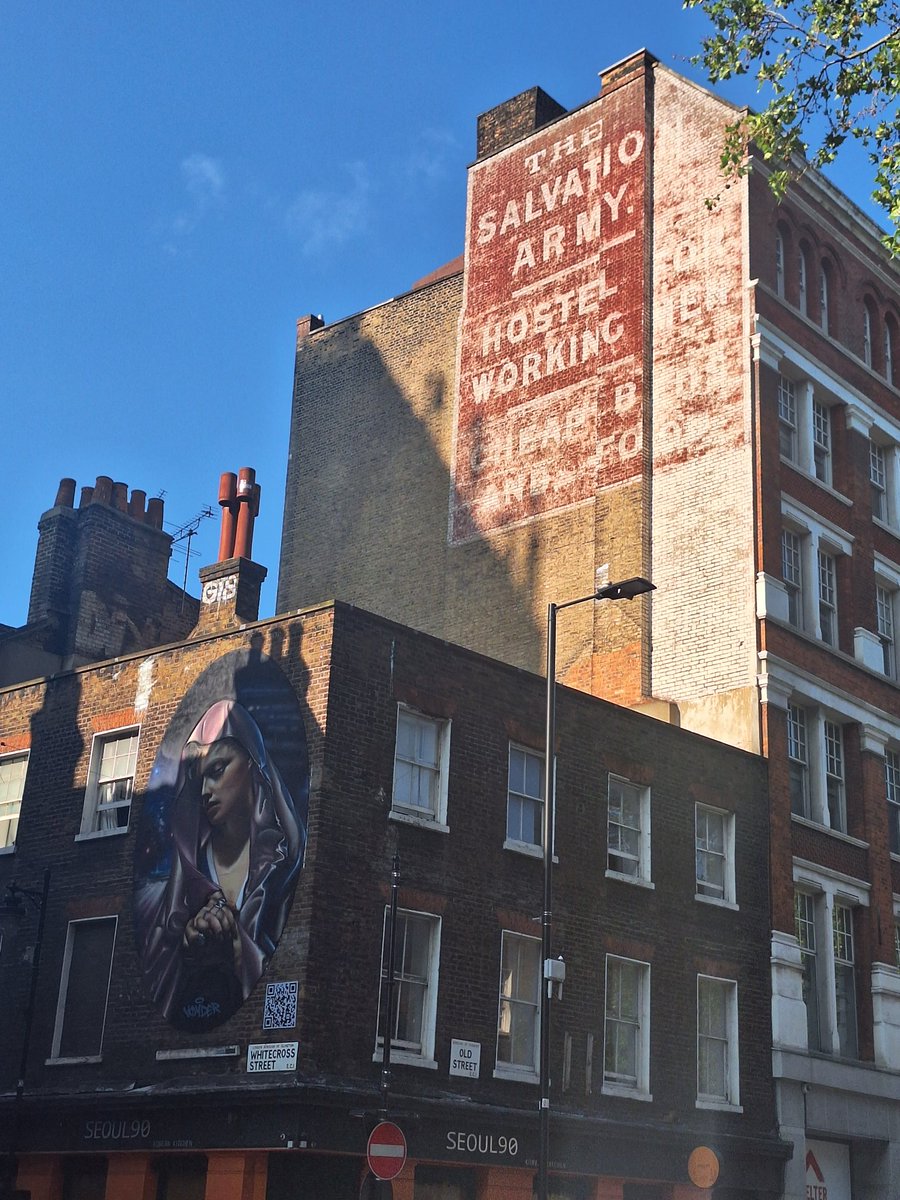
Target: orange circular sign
<point>703,1167</point>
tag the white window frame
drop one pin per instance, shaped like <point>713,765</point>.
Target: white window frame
<point>822,442</point>
<point>788,434</point>
<point>779,263</point>
<point>524,799</point>
<point>614,1083</point>
<point>820,734</point>
<point>818,541</point>
<point>886,615</point>
<point>792,575</point>
<point>878,480</point>
<point>892,797</point>
<point>846,1027</point>
<point>835,775</point>
<point>615,852</point>
<point>511,1000</point>
<point>704,814</point>
<point>12,788</point>
<point>401,1052</point>
<point>823,297</point>
<point>805,410</point>
<point>828,891</point>
<point>434,816</point>
<point>95,809</point>
<point>826,578</point>
<point>886,459</point>
<point>867,334</point>
<point>806,933</point>
<point>724,1041</point>
<point>798,760</point>
<point>71,934</point>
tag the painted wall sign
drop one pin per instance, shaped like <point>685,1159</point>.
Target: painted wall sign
<point>272,1056</point>
<point>465,1058</point>
<point>232,772</point>
<point>548,404</point>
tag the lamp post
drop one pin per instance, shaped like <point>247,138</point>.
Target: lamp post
<point>626,590</point>
<point>14,901</point>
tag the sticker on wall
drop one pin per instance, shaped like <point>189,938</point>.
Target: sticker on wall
<point>220,840</point>
<point>280,1010</point>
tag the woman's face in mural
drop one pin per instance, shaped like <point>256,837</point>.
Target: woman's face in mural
<point>226,775</point>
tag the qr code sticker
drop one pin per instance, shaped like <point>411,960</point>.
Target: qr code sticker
<point>281,1006</point>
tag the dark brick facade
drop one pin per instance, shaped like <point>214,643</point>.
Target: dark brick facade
<point>350,671</point>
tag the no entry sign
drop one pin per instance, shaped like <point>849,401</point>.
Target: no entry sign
<point>386,1150</point>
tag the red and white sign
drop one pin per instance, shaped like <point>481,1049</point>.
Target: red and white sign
<point>827,1171</point>
<point>386,1150</point>
<point>549,384</point>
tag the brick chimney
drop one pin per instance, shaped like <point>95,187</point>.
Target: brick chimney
<point>231,587</point>
<point>515,119</point>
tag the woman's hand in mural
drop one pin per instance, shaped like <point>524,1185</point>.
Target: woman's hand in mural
<point>213,928</point>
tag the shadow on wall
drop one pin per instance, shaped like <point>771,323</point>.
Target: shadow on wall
<point>369,485</point>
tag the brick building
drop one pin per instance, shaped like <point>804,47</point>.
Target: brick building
<point>368,740</point>
<point>100,586</point>
<point>618,373</point>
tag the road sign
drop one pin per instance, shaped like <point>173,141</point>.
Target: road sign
<point>386,1150</point>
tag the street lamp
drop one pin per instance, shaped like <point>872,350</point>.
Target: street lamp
<point>551,971</point>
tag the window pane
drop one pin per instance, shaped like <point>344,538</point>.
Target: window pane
<point>712,1038</point>
<point>412,967</point>
<point>12,785</point>
<point>624,827</point>
<point>417,764</point>
<point>517,1025</point>
<point>892,789</point>
<point>805,929</point>
<point>524,804</point>
<point>86,988</point>
<point>624,1001</point>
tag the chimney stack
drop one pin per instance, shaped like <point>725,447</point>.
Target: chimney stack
<point>231,586</point>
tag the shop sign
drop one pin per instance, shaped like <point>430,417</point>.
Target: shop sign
<point>465,1058</point>
<point>827,1171</point>
<point>272,1056</point>
<point>703,1167</point>
<point>483,1147</point>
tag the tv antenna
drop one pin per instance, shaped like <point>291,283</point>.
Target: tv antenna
<point>186,533</point>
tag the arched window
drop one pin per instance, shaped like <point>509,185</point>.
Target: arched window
<point>823,296</point>
<point>890,341</point>
<point>868,330</point>
<point>779,262</point>
<point>801,280</point>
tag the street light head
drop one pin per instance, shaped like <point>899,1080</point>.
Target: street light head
<point>626,590</point>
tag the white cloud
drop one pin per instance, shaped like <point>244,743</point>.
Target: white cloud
<point>204,181</point>
<point>322,219</point>
<point>431,154</point>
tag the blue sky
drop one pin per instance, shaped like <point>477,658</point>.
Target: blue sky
<point>179,181</point>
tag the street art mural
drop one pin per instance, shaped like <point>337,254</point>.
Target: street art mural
<point>221,840</point>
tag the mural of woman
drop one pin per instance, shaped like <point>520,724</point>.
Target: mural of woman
<point>237,849</point>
